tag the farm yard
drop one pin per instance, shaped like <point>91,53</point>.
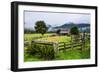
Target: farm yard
<point>64,54</point>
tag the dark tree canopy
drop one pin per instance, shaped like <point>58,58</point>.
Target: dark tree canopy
<point>74,30</point>
<point>75,37</point>
<point>40,27</point>
<point>58,31</point>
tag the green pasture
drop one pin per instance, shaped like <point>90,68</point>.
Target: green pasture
<point>66,55</point>
<point>57,39</point>
<point>30,37</point>
<point>62,55</point>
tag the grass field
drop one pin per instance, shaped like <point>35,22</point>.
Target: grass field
<point>30,37</point>
<point>57,39</point>
<point>67,55</point>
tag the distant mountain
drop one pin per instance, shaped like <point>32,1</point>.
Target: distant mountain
<point>49,26</point>
<point>70,25</point>
<point>82,26</point>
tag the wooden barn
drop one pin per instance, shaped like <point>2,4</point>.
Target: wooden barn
<point>63,31</point>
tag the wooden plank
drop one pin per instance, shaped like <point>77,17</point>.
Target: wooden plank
<point>40,42</point>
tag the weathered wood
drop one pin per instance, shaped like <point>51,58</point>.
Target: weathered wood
<point>42,42</point>
<point>56,50</point>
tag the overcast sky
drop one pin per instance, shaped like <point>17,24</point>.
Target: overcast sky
<point>54,19</point>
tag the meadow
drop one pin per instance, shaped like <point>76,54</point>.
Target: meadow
<point>62,55</point>
<point>30,37</point>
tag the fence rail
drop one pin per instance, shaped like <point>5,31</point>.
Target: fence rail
<point>77,42</point>
<point>65,45</point>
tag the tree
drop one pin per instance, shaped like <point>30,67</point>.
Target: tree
<point>58,31</point>
<point>74,35</point>
<point>74,31</point>
<point>40,27</point>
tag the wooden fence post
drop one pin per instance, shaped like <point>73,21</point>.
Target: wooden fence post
<point>72,42</point>
<point>64,47</point>
<point>55,45</point>
<point>83,41</point>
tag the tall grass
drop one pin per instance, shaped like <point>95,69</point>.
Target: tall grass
<point>43,51</point>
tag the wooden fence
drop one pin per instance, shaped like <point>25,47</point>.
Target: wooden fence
<point>64,45</point>
<point>73,44</point>
<point>76,43</point>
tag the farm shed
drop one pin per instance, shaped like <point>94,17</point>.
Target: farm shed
<point>63,31</point>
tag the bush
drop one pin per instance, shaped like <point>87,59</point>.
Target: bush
<point>42,50</point>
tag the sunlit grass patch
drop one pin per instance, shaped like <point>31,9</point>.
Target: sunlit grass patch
<point>30,37</point>
<point>56,39</point>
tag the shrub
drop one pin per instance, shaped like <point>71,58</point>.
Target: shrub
<point>42,50</point>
